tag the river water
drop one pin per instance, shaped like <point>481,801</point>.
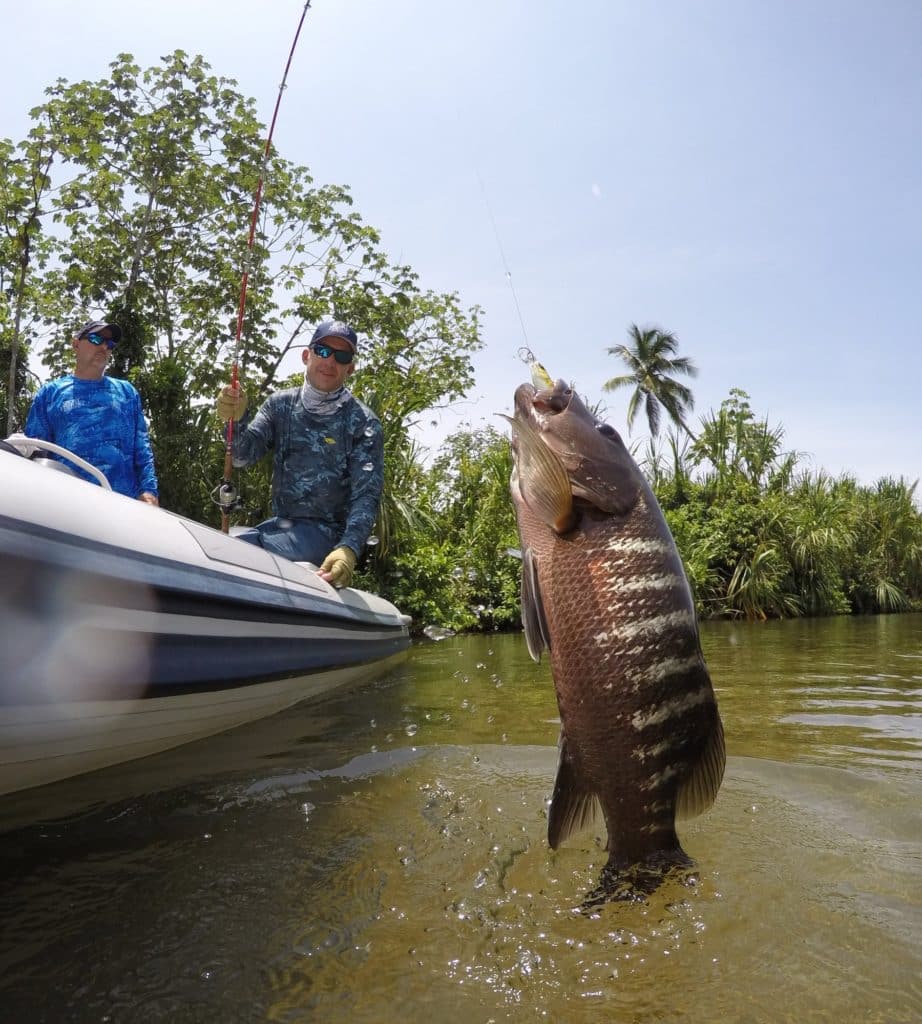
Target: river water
<point>381,856</point>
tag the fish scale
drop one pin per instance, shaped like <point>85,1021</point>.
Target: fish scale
<point>605,591</point>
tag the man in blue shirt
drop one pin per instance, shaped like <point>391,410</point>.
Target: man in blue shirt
<point>328,459</point>
<point>97,417</point>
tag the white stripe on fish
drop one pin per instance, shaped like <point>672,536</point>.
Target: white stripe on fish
<point>638,546</point>
<point>671,708</point>
<point>659,779</point>
<point>642,753</point>
<point>683,618</point>
<point>627,585</point>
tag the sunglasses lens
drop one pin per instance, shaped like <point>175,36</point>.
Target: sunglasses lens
<point>98,339</point>
<point>325,351</point>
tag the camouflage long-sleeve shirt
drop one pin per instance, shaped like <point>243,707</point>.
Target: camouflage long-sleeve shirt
<point>101,421</point>
<point>329,469</point>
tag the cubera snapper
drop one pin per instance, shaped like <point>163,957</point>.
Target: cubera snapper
<point>605,593</point>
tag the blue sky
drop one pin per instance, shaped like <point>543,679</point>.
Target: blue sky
<point>745,174</point>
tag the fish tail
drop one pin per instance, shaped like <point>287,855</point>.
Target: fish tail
<point>621,882</point>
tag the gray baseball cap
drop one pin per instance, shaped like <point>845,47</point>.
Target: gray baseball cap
<point>95,326</point>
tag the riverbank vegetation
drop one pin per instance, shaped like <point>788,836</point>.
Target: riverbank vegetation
<point>761,535</point>
<point>132,196</point>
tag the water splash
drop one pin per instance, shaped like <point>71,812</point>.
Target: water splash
<point>438,632</point>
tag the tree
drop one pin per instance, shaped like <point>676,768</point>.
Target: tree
<point>651,360</point>
<point>454,569</point>
<point>23,183</point>
<point>146,223</point>
<point>887,574</point>
<point>739,447</point>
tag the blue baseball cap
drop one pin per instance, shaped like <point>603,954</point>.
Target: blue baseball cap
<point>336,329</point>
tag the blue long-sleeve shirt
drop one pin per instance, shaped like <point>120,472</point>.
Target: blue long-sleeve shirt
<point>328,469</point>
<point>101,421</point>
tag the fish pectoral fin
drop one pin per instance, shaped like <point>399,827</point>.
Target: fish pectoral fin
<point>573,808</point>
<point>699,790</point>
<point>537,635</point>
<point>542,479</point>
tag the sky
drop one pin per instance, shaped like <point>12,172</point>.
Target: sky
<point>746,175</point>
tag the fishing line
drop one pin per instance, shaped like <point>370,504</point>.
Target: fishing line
<point>507,271</point>
<point>225,494</point>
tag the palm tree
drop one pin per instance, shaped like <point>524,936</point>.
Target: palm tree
<point>650,357</point>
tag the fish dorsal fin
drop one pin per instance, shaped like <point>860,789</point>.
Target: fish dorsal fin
<point>543,480</point>
<point>573,808</point>
<point>537,635</point>
<point>699,790</point>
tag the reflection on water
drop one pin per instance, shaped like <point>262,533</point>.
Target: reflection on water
<point>842,691</point>
<point>382,856</point>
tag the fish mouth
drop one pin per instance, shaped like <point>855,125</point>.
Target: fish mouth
<point>538,405</point>
<point>592,462</point>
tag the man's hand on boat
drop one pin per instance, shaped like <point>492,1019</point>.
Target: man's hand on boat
<point>337,567</point>
<point>149,499</point>
<point>232,404</point>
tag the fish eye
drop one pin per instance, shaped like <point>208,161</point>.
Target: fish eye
<point>557,401</point>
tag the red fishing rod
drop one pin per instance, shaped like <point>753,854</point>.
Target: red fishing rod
<point>225,492</point>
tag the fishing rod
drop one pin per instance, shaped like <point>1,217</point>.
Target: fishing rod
<point>225,494</point>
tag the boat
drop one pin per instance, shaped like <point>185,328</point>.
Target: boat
<point>126,630</point>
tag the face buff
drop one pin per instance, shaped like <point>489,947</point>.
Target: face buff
<point>322,403</point>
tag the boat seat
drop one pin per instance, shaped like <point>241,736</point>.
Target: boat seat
<point>235,531</point>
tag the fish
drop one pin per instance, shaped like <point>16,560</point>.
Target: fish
<point>605,593</point>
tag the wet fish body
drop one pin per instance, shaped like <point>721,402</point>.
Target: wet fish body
<point>605,593</point>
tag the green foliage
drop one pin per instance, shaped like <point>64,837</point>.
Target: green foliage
<point>886,574</point>
<point>422,582</point>
<point>453,568</point>
<point>736,446</point>
<point>760,540</point>
<point>23,183</point>
<point>651,361</point>
<point>23,388</point>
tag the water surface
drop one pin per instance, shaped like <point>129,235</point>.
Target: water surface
<point>381,856</point>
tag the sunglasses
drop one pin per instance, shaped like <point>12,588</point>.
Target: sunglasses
<point>344,358</point>
<point>98,339</point>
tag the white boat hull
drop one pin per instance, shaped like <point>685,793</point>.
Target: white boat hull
<point>43,743</point>
<point>126,630</point>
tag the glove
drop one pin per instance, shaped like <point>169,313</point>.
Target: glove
<point>337,567</point>
<point>230,407</point>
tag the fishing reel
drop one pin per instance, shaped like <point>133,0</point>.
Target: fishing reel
<point>226,497</point>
